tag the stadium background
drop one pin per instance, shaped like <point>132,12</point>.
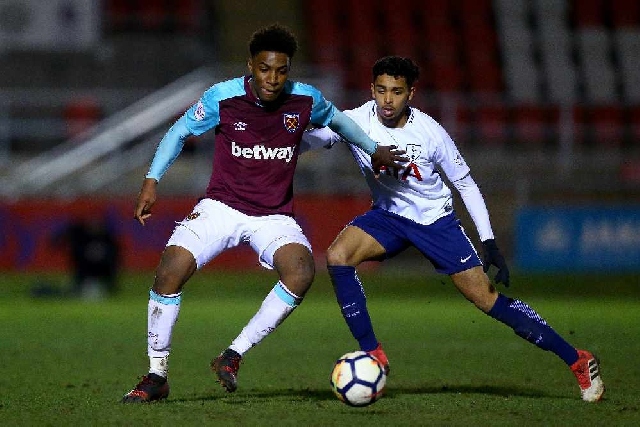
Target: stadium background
<point>541,96</point>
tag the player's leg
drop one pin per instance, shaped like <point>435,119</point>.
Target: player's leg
<point>448,247</point>
<point>524,320</point>
<point>528,324</point>
<point>194,241</point>
<point>176,266</point>
<point>282,246</point>
<point>349,249</point>
<point>475,286</point>
<point>295,266</point>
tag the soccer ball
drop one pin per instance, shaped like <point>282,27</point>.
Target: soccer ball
<point>358,379</point>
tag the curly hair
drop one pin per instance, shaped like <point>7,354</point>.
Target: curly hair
<point>397,66</point>
<point>273,38</point>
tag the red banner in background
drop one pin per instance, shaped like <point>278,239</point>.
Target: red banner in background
<point>29,229</point>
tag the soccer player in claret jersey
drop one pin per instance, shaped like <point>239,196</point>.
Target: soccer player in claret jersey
<point>259,120</point>
<point>412,206</point>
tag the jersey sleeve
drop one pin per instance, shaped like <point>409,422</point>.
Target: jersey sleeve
<point>322,110</point>
<point>448,157</point>
<point>318,138</point>
<point>205,114</point>
<point>474,202</point>
<point>199,118</point>
<point>353,133</point>
<point>168,149</point>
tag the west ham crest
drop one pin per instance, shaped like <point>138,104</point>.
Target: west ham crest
<point>291,122</point>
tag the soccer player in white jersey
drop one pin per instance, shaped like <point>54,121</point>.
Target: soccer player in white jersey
<point>258,120</point>
<point>412,206</point>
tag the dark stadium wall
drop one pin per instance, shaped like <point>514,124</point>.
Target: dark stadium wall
<point>236,20</point>
<point>27,242</point>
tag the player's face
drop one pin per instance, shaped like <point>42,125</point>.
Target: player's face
<point>270,71</point>
<point>392,96</point>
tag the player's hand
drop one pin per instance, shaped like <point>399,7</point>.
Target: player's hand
<point>146,199</point>
<point>387,156</point>
<point>492,256</point>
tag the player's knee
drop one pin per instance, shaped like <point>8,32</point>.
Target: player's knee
<point>476,288</point>
<point>306,274</point>
<point>299,280</point>
<point>175,268</point>
<point>336,255</point>
<point>485,298</point>
<point>167,281</point>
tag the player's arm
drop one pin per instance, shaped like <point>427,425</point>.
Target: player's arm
<point>380,155</point>
<point>316,138</point>
<point>449,159</point>
<point>168,150</point>
<point>474,202</point>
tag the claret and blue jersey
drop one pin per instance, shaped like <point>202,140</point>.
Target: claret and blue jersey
<point>256,146</point>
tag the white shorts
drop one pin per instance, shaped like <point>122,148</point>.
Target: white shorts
<point>213,227</point>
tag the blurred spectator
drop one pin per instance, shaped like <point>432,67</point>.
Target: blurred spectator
<point>94,253</point>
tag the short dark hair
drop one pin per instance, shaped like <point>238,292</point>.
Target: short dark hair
<point>273,38</point>
<point>397,66</point>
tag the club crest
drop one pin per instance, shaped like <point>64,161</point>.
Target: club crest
<point>291,122</point>
<point>192,216</point>
<point>413,151</point>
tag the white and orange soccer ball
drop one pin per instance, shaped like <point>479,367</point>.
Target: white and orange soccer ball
<point>358,379</point>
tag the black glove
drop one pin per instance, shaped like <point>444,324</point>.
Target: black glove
<point>493,256</point>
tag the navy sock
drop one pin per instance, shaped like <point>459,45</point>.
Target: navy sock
<point>528,324</point>
<point>353,304</point>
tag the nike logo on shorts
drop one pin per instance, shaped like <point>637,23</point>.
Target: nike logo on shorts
<point>463,260</point>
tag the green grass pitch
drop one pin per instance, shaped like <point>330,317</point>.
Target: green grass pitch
<point>68,362</point>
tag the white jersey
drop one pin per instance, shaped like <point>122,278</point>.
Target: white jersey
<point>416,192</point>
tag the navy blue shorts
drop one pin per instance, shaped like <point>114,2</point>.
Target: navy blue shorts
<point>444,243</point>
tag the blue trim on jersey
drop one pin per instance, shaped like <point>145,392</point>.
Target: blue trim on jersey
<point>166,300</point>
<point>443,242</point>
<point>322,111</point>
<point>168,149</point>
<point>285,295</point>
<point>205,114</point>
<point>347,128</point>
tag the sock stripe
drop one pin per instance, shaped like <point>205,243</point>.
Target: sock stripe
<point>286,295</point>
<point>173,299</point>
<point>528,311</point>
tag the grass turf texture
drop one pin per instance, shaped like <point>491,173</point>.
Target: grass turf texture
<point>68,362</point>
